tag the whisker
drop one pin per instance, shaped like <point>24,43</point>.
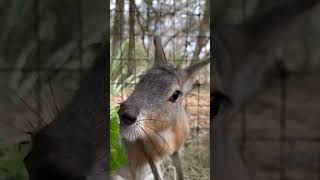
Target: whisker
<point>101,172</point>
<point>49,105</point>
<point>162,138</point>
<point>100,124</point>
<point>152,142</point>
<point>53,96</point>
<point>103,154</point>
<point>139,133</point>
<point>139,173</point>
<point>29,108</point>
<point>14,127</point>
<point>29,122</point>
<point>163,123</point>
<point>151,119</point>
<point>130,134</point>
<point>148,157</point>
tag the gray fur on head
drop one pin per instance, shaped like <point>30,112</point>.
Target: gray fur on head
<point>154,100</point>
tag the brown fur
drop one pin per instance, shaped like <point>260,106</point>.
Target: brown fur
<point>160,147</point>
<point>153,120</point>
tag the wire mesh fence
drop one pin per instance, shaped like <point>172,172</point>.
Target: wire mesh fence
<point>45,48</point>
<point>277,133</point>
<point>49,49</point>
<point>184,29</point>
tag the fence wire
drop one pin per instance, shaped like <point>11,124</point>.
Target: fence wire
<point>52,39</point>
<point>277,138</point>
<point>45,47</point>
<point>184,30</point>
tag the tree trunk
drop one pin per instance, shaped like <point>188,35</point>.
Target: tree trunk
<point>117,29</point>
<point>131,58</point>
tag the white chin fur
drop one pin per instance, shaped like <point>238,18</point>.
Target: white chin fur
<point>133,132</point>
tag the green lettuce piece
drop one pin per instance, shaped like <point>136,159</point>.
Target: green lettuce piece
<point>11,160</point>
<point>118,156</point>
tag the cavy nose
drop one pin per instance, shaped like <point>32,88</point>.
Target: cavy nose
<point>128,114</point>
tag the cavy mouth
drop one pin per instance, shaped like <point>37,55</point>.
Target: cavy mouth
<point>135,131</point>
<point>132,130</point>
<point>131,133</point>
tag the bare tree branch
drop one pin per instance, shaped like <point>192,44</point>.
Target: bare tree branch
<point>202,39</point>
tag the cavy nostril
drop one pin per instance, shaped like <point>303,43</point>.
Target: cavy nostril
<point>128,113</point>
<point>128,119</point>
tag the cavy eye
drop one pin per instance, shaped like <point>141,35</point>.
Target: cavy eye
<point>215,103</point>
<point>175,96</point>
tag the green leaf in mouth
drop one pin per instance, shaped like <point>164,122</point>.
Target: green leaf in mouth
<point>118,155</point>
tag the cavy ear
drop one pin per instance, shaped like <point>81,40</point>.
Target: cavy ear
<point>190,73</point>
<point>160,58</point>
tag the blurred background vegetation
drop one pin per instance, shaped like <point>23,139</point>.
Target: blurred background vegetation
<point>45,46</point>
